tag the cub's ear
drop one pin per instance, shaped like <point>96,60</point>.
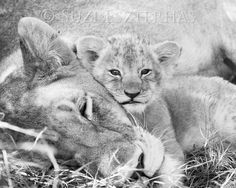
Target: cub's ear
<point>89,49</point>
<point>167,54</point>
<point>167,51</point>
<point>42,50</point>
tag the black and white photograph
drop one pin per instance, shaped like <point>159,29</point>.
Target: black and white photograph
<point>118,93</point>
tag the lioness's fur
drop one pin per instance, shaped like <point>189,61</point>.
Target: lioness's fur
<point>201,27</point>
<point>50,89</point>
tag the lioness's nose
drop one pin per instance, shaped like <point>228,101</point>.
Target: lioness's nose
<point>132,95</point>
<point>140,166</point>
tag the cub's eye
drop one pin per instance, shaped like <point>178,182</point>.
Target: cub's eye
<point>115,72</point>
<point>145,71</point>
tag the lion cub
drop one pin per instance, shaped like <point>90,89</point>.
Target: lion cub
<point>126,66</point>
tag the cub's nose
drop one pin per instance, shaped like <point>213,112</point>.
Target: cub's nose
<point>132,95</point>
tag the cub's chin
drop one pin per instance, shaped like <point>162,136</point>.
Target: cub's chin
<point>135,107</point>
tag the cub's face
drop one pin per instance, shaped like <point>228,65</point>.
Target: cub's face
<point>127,70</point>
<point>130,68</point>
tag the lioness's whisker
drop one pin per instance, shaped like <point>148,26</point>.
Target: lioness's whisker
<point>114,157</point>
<point>38,137</point>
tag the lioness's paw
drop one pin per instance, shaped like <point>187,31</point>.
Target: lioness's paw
<point>153,150</point>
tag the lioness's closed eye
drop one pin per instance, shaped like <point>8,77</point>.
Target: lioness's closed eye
<point>128,66</point>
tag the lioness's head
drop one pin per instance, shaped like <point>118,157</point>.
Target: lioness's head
<point>53,91</point>
<point>129,67</point>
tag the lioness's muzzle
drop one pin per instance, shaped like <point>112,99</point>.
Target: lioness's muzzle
<point>153,151</point>
<point>147,158</point>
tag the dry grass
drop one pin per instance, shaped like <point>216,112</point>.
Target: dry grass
<point>32,174</point>
<point>33,164</point>
<point>209,166</point>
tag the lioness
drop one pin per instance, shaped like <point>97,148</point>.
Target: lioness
<point>50,89</point>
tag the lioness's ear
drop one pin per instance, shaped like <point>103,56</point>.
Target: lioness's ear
<point>42,50</point>
<point>167,51</point>
<point>88,50</point>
